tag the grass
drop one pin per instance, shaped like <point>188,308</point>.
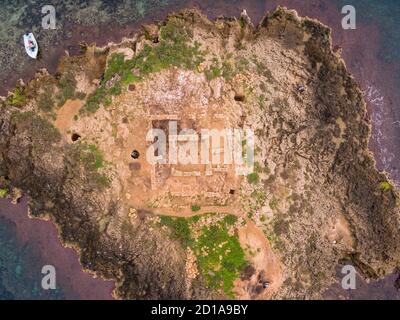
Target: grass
<point>195,208</point>
<point>115,65</point>
<point>129,78</point>
<point>66,85</point>
<point>273,204</point>
<point>173,49</point>
<point>385,186</point>
<point>224,259</point>
<point>92,159</point>
<point>230,219</point>
<point>17,97</point>
<point>180,229</point>
<point>39,128</point>
<point>3,193</point>
<point>116,90</point>
<point>259,196</point>
<point>46,102</point>
<point>93,101</point>
<point>253,178</point>
<point>219,255</point>
<point>228,69</point>
<point>213,72</point>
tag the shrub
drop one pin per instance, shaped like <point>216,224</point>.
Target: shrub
<point>67,85</point>
<point>92,160</point>
<point>39,128</point>
<point>180,229</point>
<point>17,97</point>
<point>230,219</point>
<point>3,193</point>
<point>253,178</point>
<point>195,208</point>
<point>385,185</point>
<point>93,101</point>
<point>46,101</point>
<point>273,204</point>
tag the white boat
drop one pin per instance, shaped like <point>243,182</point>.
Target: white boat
<point>31,45</point>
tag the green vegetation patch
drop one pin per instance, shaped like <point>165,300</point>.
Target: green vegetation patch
<point>220,257</point>
<point>3,193</point>
<point>180,228</point>
<point>273,204</point>
<point>230,219</point>
<point>385,186</point>
<point>17,98</point>
<point>39,128</point>
<point>253,178</point>
<point>228,68</point>
<point>173,49</point>
<point>242,22</point>
<point>259,196</point>
<point>195,208</point>
<point>93,101</point>
<point>115,65</point>
<point>66,86</point>
<point>213,72</point>
<point>46,102</point>
<point>92,159</point>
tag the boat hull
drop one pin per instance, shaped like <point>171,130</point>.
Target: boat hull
<point>31,45</point>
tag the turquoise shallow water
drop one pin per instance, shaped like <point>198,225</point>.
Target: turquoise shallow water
<point>20,268</point>
<point>21,261</point>
<point>26,245</point>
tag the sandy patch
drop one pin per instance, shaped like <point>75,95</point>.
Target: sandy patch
<point>66,114</point>
<point>341,233</point>
<point>265,262</point>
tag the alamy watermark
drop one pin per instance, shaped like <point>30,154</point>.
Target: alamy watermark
<point>229,146</point>
<point>49,280</point>
<point>349,20</point>
<point>349,280</point>
<point>49,20</point>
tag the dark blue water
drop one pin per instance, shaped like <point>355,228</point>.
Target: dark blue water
<point>386,15</point>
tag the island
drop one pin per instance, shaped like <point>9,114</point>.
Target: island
<point>122,150</point>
